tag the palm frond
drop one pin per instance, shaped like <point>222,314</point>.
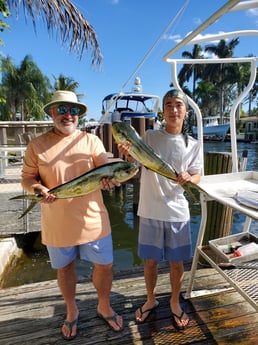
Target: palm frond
<point>63,16</point>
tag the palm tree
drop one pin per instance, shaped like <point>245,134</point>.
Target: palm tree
<point>65,83</point>
<point>220,74</point>
<point>253,94</point>
<point>191,70</point>
<point>5,13</point>
<point>24,88</point>
<point>242,81</point>
<point>206,98</point>
<point>63,16</point>
<point>8,91</point>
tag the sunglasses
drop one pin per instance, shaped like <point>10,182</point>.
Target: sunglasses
<point>62,109</point>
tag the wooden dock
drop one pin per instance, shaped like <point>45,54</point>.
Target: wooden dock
<point>33,314</point>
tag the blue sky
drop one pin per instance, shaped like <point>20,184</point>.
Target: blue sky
<point>129,32</point>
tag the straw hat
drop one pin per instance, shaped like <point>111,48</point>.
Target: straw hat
<point>64,97</point>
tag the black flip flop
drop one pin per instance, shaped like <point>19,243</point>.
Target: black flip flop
<point>176,325</point>
<point>111,318</point>
<point>70,325</point>
<point>150,311</point>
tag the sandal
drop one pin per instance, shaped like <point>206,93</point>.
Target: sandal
<point>180,318</point>
<point>149,311</point>
<point>70,325</point>
<point>111,318</point>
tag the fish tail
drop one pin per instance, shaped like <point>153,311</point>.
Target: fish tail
<point>35,198</point>
<point>197,187</point>
<point>32,204</point>
<point>189,187</point>
<point>188,190</point>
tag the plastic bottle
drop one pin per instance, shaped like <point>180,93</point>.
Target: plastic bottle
<point>247,249</point>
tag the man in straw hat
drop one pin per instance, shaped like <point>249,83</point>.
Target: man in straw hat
<point>74,226</point>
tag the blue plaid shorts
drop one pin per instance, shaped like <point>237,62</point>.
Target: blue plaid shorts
<point>160,240</point>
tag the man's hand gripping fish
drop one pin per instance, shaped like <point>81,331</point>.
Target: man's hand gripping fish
<point>145,155</point>
<point>86,183</point>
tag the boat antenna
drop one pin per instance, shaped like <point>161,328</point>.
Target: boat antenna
<point>178,14</point>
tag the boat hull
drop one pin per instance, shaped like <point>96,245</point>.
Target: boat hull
<point>216,132</point>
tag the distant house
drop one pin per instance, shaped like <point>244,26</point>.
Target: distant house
<point>250,127</point>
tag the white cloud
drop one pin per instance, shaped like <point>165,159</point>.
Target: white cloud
<point>253,12</point>
<point>207,38</point>
<point>197,21</point>
<point>175,38</point>
<point>208,55</point>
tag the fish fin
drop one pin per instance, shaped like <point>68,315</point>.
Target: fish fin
<point>32,204</point>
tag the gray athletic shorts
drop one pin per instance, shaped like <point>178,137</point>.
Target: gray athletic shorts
<point>159,240</point>
<point>99,252</point>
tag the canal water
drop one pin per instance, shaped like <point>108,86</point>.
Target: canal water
<point>34,265</point>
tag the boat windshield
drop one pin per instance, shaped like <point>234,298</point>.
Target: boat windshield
<point>130,102</point>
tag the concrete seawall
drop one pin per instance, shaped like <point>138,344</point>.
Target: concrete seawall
<point>8,248</point>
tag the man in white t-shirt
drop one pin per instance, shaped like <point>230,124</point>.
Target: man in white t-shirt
<point>164,230</point>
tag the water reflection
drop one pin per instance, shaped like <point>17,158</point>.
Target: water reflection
<point>124,224</point>
<point>252,149</point>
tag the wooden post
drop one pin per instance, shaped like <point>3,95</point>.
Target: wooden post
<point>115,151</point>
<point>107,137</point>
<point>139,124</point>
<point>219,217</point>
<point>99,132</point>
<point>149,123</point>
<point>3,135</point>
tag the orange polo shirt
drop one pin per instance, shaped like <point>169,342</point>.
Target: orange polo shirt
<point>54,159</point>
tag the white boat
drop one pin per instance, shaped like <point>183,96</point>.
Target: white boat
<point>89,126</point>
<point>124,106</point>
<point>212,130</point>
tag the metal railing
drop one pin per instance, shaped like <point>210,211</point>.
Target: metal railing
<point>11,160</point>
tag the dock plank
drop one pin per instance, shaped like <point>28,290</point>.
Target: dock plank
<point>34,313</point>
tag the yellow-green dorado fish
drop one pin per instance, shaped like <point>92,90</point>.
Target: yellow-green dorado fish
<point>120,171</point>
<point>144,154</point>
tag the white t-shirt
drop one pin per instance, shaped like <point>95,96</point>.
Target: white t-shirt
<point>160,197</point>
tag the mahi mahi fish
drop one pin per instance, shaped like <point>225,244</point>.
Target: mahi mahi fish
<point>120,171</point>
<point>144,154</point>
